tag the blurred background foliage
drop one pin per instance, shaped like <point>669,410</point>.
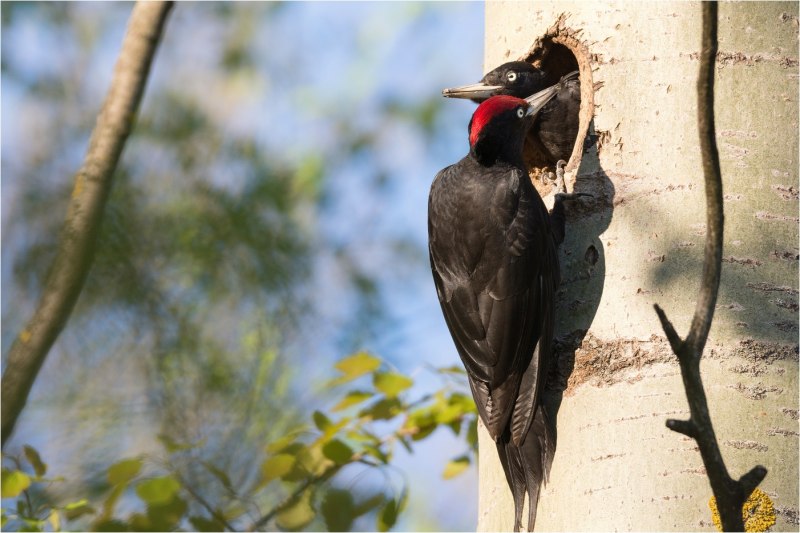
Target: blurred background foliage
<point>267,220</point>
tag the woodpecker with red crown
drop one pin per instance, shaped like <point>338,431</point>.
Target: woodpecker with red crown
<point>493,252</point>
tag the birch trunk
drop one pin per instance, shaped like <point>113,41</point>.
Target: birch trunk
<point>640,242</point>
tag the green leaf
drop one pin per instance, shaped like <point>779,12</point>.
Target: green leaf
<point>108,506</point>
<point>277,466</point>
<point>31,524</point>
<point>377,453</point>
<point>159,490</point>
<point>313,461</point>
<point>448,413</point>
<point>472,434</point>
<point>282,443</point>
<point>14,482</point>
<point>455,369</point>
<point>111,525</point>
<point>297,514</point>
<point>173,446</point>
<point>455,425</point>
<point>385,409</point>
<point>338,510</point>
<point>140,522</point>
<point>387,516</point>
<point>357,365</point>
<point>463,402</point>
<point>337,451</point>
<point>54,519</point>
<point>124,471</point>
<point>167,516</point>
<point>456,467</point>
<point>77,509</point>
<point>321,421</point>
<point>391,384</point>
<point>352,398</point>
<point>206,524</point>
<point>421,423</point>
<point>36,462</point>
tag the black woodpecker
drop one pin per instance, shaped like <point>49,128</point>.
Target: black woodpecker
<point>493,253</point>
<point>556,125</point>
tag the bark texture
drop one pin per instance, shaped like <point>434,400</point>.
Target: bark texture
<point>640,242</point>
<point>90,192</point>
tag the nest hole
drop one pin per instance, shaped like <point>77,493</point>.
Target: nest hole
<point>559,52</point>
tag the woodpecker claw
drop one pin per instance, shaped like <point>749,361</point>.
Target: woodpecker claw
<point>561,187</point>
<point>561,193</point>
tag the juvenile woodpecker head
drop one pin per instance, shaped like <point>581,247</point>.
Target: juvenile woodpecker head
<point>516,78</point>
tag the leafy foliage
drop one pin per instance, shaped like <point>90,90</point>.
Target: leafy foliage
<point>227,222</point>
<point>298,476</point>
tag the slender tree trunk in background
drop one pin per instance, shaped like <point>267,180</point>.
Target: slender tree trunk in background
<point>92,185</point>
<point>640,242</point>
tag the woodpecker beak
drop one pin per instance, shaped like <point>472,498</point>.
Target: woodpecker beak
<point>538,100</point>
<point>571,76</point>
<point>476,90</point>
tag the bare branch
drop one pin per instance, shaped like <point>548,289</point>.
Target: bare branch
<point>686,427</point>
<point>219,517</point>
<point>712,264</point>
<point>750,480</point>
<point>672,336</point>
<point>730,494</point>
<point>92,185</point>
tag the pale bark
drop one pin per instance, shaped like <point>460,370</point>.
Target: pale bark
<point>90,192</point>
<point>640,242</point>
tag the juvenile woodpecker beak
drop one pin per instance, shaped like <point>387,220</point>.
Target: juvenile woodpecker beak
<point>476,90</point>
<point>538,100</point>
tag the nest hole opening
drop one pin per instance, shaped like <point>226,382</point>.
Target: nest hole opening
<point>559,52</point>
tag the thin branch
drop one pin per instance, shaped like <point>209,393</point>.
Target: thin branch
<point>292,498</point>
<point>712,265</point>
<point>92,185</point>
<point>684,427</point>
<point>672,336</point>
<point>202,501</point>
<point>730,494</point>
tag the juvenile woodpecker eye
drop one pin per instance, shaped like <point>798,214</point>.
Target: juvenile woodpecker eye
<point>511,76</point>
<point>520,112</point>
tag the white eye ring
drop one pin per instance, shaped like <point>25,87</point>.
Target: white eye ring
<point>520,112</point>
<point>512,76</point>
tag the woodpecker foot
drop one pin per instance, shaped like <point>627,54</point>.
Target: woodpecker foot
<point>561,186</point>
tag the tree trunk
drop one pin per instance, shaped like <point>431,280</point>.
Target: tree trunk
<point>85,213</point>
<point>640,242</point>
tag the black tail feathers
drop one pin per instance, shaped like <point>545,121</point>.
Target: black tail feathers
<point>528,466</point>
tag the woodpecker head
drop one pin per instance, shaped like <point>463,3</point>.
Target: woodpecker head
<point>516,78</point>
<point>499,125</point>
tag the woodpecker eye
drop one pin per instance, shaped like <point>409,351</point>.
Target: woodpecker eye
<point>512,76</point>
<point>520,112</point>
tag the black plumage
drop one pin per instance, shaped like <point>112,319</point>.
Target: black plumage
<point>556,125</point>
<point>493,252</point>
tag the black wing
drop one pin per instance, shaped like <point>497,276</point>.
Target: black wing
<point>495,268</point>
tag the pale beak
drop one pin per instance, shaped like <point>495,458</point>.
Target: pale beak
<point>476,90</point>
<point>538,100</point>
